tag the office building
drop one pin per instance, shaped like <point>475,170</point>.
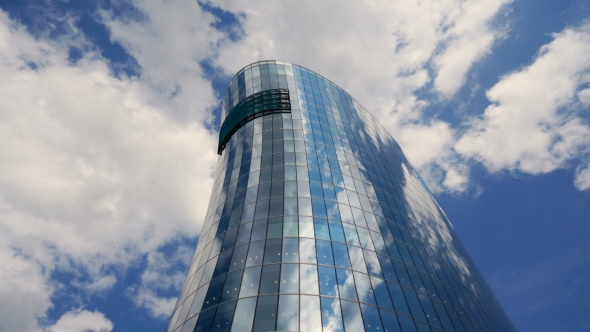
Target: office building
<point>317,221</point>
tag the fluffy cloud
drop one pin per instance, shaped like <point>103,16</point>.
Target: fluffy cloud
<point>582,178</point>
<point>468,37</point>
<point>169,40</point>
<point>164,272</point>
<point>534,124</point>
<point>96,171</point>
<point>82,321</point>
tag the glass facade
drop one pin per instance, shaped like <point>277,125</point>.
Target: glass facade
<point>318,222</point>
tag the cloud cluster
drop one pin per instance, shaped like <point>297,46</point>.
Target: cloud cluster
<point>161,274</point>
<point>82,321</point>
<point>170,40</point>
<point>96,171</point>
<point>536,121</point>
<point>382,53</point>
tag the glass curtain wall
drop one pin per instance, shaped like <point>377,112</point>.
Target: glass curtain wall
<point>318,222</point>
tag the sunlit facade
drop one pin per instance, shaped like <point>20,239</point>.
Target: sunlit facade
<point>317,221</point>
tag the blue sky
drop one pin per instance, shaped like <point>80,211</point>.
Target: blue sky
<point>108,119</point>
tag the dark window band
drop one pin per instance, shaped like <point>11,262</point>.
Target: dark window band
<point>254,106</point>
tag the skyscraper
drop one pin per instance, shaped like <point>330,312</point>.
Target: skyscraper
<point>318,221</point>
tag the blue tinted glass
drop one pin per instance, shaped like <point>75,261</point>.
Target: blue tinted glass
<point>407,324</point>
<point>333,210</point>
<point>222,263</point>
<point>402,275</point>
<point>214,293</point>
<point>314,173</point>
<point>336,231</point>
<point>289,282</point>
<point>261,209</point>
<point>321,228</point>
<point>307,252</point>
<point>275,225</point>
<point>329,193</point>
<point>269,280</point>
<point>346,285</point>
<point>290,224</point>
<point>244,315</point>
<point>231,289</point>
<point>356,259</point>
<point>308,279</point>
<point>389,320</point>
<point>381,293</point>
<point>442,315</point>
<point>259,230</point>
<point>288,313</point>
<point>250,281</point>
<point>277,188</point>
<point>364,288</point>
<point>310,313</point>
<point>325,172</point>
<point>414,304</point>
<point>189,326</point>
<point>351,313</point>
<point>324,252</point>
<point>341,255</point>
<point>255,253</point>
<point>223,317</point>
<point>272,251</point>
<point>398,298</point>
<point>429,311</point>
<point>372,263</point>
<point>266,313</point>
<point>319,208</point>
<point>238,259</point>
<point>365,238</point>
<point>244,233</point>
<point>205,320</point>
<point>416,280</point>
<point>423,327</point>
<point>331,315</point>
<point>387,268</point>
<point>290,253</point>
<point>371,318</point>
<point>392,249</point>
<point>316,190</point>
<point>328,283</point>
<point>351,235</point>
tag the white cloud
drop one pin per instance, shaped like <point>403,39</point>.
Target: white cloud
<point>169,44</point>
<point>584,96</point>
<point>534,125</point>
<point>24,291</point>
<point>95,171</point>
<point>469,37</point>
<point>582,179</point>
<point>82,321</point>
<point>432,154</point>
<point>102,284</point>
<point>161,274</point>
<point>157,306</point>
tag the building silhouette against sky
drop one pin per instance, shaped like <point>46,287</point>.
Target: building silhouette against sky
<point>318,221</point>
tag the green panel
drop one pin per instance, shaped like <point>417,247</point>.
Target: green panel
<point>256,105</point>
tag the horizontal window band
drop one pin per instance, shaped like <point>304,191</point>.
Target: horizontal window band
<point>254,106</point>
